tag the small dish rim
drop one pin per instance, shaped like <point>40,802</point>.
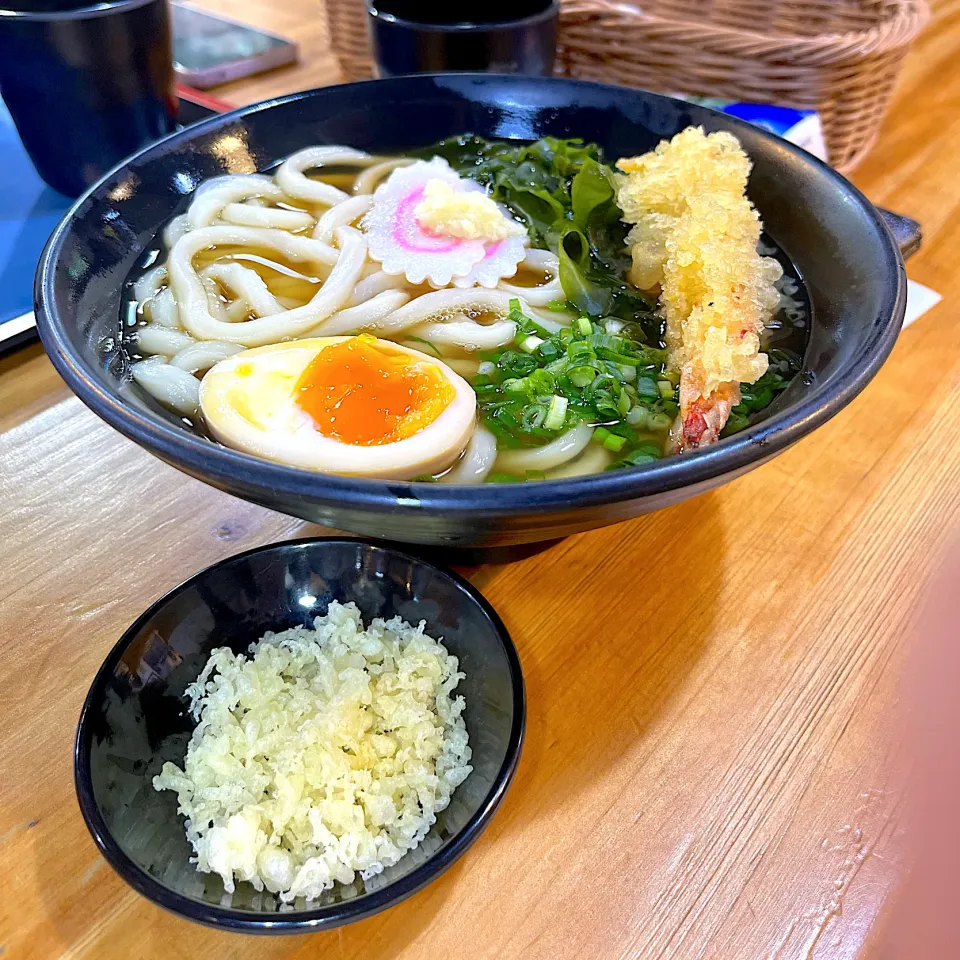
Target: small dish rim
<point>331,915</point>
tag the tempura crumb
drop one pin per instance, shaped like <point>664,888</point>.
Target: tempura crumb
<point>695,238</point>
<point>320,754</point>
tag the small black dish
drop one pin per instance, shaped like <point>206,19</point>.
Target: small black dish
<point>134,719</point>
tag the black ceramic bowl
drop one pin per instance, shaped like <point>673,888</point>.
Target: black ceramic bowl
<point>833,235</point>
<point>134,719</point>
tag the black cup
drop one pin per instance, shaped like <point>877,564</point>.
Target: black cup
<point>499,36</point>
<point>86,85</point>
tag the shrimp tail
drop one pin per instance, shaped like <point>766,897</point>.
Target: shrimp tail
<point>702,418</point>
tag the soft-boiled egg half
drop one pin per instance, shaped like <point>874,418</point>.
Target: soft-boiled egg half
<point>350,405</point>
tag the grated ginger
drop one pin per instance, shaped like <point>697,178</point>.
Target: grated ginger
<point>326,753</point>
<point>695,238</point>
<point>468,215</point>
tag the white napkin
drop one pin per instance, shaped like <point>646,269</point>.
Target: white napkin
<point>919,300</point>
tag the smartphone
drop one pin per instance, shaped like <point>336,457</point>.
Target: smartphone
<point>208,50</point>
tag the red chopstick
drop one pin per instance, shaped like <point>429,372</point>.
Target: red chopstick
<point>202,99</point>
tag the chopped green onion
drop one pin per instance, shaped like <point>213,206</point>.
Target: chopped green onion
<point>580,353</point>
<point>503,478</point>
<point>606,341</point>
<point>635,459</point>
<point>622,430</point>
<point>607,407</point>
<point>623,350</point>
<point>556,367</point>
<point>534,416</point>
<point>556,413</point>
<point>659,421</point>
<point>647,452</point>
<point>513,363</point>
<point>524,323</point>
<point>540,383</point>
<point>532,389</point>
<point>582,376</point>
<point>426,343</point>
<point>558,306</point>
<point>646,387</point>
<point>601,382</point>
<point>648,448</point>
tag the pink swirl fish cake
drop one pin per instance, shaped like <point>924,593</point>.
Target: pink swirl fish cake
<point>431,226</point>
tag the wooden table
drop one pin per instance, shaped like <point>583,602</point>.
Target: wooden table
<point>707,771</point>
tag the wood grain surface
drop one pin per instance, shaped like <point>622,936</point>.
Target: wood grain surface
<point>712,689</point>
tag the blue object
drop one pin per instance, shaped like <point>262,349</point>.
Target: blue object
<point>29,210</point>
<point>777,120</point>
<point>135,719</point>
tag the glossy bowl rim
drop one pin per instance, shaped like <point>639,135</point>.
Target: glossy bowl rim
<point>461,26</point>
<point>227,468</point>
<point>90,11</point>
<point>333,915</point>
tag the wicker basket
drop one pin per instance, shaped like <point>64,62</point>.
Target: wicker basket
<point>839,57</point>
<point>350,37</point>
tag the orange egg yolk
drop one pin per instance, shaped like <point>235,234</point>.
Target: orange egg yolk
<point>360,393</point>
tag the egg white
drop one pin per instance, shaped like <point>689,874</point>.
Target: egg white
<point>257,414</point>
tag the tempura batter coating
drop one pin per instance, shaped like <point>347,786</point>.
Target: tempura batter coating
<point>695,237</point>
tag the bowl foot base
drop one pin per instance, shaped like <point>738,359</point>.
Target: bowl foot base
<point>454,556</point>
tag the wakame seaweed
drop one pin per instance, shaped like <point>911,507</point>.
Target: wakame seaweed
<point>754,397</point>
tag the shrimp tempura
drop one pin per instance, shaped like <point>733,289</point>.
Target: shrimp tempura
<point>695,237</point>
